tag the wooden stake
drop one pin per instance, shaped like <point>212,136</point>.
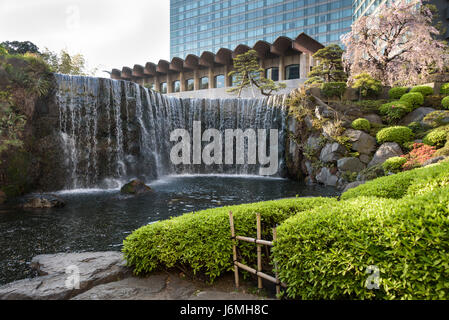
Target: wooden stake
<point>259,251</point>
<point>278,287</point>
<point>234,250</point>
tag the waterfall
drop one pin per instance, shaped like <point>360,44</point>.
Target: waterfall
<point>115,130</point>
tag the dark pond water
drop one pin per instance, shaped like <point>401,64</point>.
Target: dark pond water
<point>95,220</point>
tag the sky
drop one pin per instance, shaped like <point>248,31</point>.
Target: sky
<point>109,33</point>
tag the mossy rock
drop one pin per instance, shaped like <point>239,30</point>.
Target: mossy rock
<point>135,187</point>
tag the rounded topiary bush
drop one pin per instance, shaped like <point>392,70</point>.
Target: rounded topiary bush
<point>413,99</point>
<point>398,134</point>
<point>394,164</point>
<point>436,137</point>
<point>361,124</point>
<point>397,92</point>
<point>394,111</point>
<point>445,102</point>
<point>444,89</point>
<point>424,90</point>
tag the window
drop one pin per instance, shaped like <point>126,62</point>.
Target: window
<point>233,80</point>
<point>176,86</point>
<point>190,86</point>
<point>220,81</point>
<point>204,83</point>
<point>292,72</point>
<point>272,73</point>
<point>163,87</point>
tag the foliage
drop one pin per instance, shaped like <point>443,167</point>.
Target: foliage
<point>201,240</point>
<point>437,137</point>
<point>20,47</point>
<point>424,90</point>
<point>444,89</point>
<point>394,111</point>
<point>415,126</point>
<point>443,151</point>
<point>325,253</point>
<point>419,154</point>
<point>433,101</point>
<point>394,164</point>
<point>398,134</point>
<point>396,45</point>
<point>414,99</point>
<point>333,89</point>
<point>436,118</point>
<point>368,87</point>
<point>66,63</point>
<point>445,102</point>
<point>330,66</point>
<point>369,105</point>
<point>396,93</point>
<point>249,74</point>
<point>361,124</point>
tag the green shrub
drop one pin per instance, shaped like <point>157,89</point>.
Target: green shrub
<point>396,186</point>
<point>444,90</point>
<point>443,151</point>
<point>398,134</point>
<point>325,253</point>
<point>394,164</point>
<point>367,85</point>
<point>424,90</point>
<point>397,92</point>
<point>394,111</point>
<point>201,240</point>
<point>437,137</point>
<point>445,102</point>
<point>433,101</point>
<point>436,118</point>
<point>415,126</point>
<point>369,105</point>
<point>333,89</point>
<point>413,99</point>
<point>361,124</point>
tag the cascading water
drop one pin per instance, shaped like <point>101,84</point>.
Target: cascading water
<point>116,130</point>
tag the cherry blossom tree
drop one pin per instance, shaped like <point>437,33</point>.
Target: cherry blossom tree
<point>396,45</point>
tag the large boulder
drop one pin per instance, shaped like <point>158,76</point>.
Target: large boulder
<point>351,164</point>
<point>361,141</point>
<point>135,187</point>
<point>326,177</point>
<point>332,152</point>
<point>436,118</point>
<point>60,271</point>
<point>416,115</point>
<point>43,201</point>
<point>353,185</point>
<point>313,143</point>
<point>373,118</point>
<point>386,151</point>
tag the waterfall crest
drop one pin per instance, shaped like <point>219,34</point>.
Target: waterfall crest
<point>114,130</point>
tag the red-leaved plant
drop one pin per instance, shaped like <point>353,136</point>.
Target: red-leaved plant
<point>419,154</point>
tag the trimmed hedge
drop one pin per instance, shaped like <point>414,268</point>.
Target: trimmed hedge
<point>397,92</point>
<point>445,102</point>
<point>444,89</point>
<point>395,110</point>
<point>361,124</point>
<point>437,137</point>
<point>396,186</point>
<point>398,134</point>
<point>333,89</point>
<point>201,240</point>
<point>325,253</point>
<point>424,90</point>
<point>413,99</point>
<point>394,164</point>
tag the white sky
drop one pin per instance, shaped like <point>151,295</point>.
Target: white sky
<point>109,33</point>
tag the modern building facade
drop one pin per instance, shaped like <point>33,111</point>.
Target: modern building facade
<point>209,25</point>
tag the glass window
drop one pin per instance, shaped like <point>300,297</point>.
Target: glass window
<point>292,72</point>
<point>204,83</point>
<point>190,85</point>
<point>272,73</point>
<point>233,80</point>
<point>176,86</point>
<point>220,81</point>
<point>163,87</point>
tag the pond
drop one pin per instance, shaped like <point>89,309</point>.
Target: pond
<point>99,220</point>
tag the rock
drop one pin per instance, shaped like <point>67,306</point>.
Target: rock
<point>2,197</point>
<point>353,185</point>
<point>44,201</point>
<point>309,167</point>
<point>351,164</point>
<point>361,141</point>
<point>313,142</point>
<point>373,118</point>
<point>324,111</point>
<point>94,268</point>
<point>436,119</point>
<point>371,173</point>
<point>386,151</point>
<point>433,160</point>
<point>332,152</point>
<point>326,177</point>
<point>365,158</point>
<point>416,115</point>
<point>135,187</point>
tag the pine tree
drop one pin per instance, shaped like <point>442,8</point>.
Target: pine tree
<point>330,66</point>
